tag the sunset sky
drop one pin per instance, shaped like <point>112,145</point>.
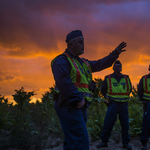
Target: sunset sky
<point>33,32</point>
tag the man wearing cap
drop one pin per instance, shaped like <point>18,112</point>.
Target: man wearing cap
<point>116,88</point>
<point>73,78</point>
<point>144,95</point>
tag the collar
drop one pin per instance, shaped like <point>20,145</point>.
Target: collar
<point>72,56</point>
<point>115,76</point>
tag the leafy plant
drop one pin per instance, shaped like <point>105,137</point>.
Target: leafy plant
<point>28,125</point>
<point>96,113</point>
<point>135,113</point>
<point>22,127</point>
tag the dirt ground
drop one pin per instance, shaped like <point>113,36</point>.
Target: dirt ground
<point>135,143</point>
<point>57,144</point>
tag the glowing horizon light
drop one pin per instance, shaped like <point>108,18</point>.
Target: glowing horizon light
<point>32,35</point>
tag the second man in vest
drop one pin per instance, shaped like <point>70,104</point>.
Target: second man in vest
<point>116,88</point>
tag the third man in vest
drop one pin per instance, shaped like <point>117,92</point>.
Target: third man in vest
<point>144,95</point>
<point>116,88</point>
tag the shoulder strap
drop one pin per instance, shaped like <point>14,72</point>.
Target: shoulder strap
<point>127,83</point>
<point>87,64</point>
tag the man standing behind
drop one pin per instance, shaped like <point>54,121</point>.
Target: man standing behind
<point>116,88</point>
<point>73,78</point>
<point>144,95</point>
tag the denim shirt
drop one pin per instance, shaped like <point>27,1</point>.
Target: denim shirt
<point>61,70</point>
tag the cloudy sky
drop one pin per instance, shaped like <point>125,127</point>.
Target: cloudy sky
<point>33,32</point>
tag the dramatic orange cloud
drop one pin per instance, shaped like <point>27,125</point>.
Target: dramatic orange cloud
<point>33,32</point>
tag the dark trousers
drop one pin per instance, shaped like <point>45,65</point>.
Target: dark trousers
<point>146,125</point>
<point>115,108</point>
<point>73,122</point>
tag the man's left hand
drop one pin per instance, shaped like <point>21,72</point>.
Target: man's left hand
<point>119,49</point>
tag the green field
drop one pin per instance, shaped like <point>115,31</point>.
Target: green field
<point>28,125</point>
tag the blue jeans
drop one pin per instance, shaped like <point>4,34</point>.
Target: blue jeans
<point>73,122</point>
<point>115,108</point>
<point>146,125</point>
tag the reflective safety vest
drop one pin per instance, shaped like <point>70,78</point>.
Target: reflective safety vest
<point>118,91</point>
<point>146,87</point>
<point>81,76</point>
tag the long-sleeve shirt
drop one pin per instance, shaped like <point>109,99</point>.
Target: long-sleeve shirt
<point>104,86</point>
<point>140,88</point>
<point>61,70</point>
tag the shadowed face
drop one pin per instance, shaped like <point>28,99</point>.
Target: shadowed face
<point>117,68</point>
<point>77,46</point>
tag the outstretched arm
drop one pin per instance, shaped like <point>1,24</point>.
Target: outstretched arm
<point>108,60</point>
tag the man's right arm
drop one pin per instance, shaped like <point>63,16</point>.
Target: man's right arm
<point>108,60</point>
<point>104,87</point>
<point>140,89</point>
<point>61,71</point>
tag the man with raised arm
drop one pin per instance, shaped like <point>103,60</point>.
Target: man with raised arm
<point>73,79</point>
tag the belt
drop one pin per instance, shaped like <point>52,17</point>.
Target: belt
<point>120,100</point>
